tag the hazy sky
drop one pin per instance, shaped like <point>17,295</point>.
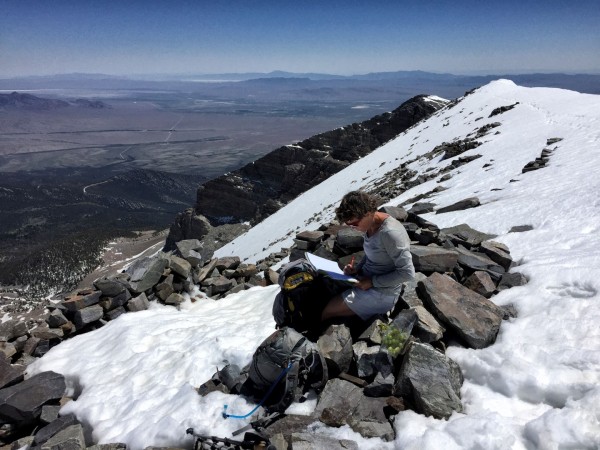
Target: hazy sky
<point>343,37</point>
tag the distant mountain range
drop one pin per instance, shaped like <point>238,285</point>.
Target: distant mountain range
<point>445,84</point>
<point>16,100</point>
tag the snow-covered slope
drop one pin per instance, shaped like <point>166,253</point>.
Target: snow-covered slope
<point>538,386</point>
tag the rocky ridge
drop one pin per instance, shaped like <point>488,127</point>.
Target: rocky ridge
<point>458,270</point>
<point>260,188</point>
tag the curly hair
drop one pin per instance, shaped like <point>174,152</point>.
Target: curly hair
<point>356,205</point>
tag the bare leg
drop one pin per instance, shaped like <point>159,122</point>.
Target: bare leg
<point>336,308</point>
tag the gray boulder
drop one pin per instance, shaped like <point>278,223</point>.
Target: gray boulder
<point>139,303</point>
<point>513,279</point>
<point>336,344</point>
<point>342,402</point>
<point>79,301</point>
<point>405,321</point>
<point>23,402</point>
<point>145,273</point>
<point>114,313</point>
<point>349,238</point>
<point>397,212</point>
<point>312,238</point>
<point>497,252</point>
<point>473,317</point>
<point>116,301</point>
<point>10,374</point>
<point>175,299</point>
<point>190,251</point>
<point>464,234</point>
<point>427,329</point>
<point>180,266</point>
<point>479,261</point>
<point>221,284</point>
<point>382,386</point>
<point>245,271</point>
<point>227,262</point>
<point>289,424</point>
<point>373,333</point>
<point>409,297</point>
<point>7,350</point>
<point>312,441</point>
<point>431,381</point>
<point>467,203</point>
<point>87,315</point>
<point>110,287</point>
<point>12,329</point>
<point>56,319</point>
<point>49,413</point>
<point>205,271</point>
<point>111,446</point>
<point>433,259</point>
<point>482,283</point>
<point>422,208</point>
<point>71,438</point>
<point>57,425</point>
<point>371,360</point>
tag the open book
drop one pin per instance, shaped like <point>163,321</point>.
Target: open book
<point>329,268</point>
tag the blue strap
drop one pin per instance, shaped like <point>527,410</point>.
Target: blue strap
<point>281,375</point>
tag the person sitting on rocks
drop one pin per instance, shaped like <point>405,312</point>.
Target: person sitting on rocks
<point>386,265</point>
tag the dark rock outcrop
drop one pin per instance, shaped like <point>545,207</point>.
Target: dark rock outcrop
<point>262,187</point>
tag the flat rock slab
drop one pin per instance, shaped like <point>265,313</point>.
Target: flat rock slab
<point>473,317</point>
<point>464,234</point>
<point>145,273</point>
<point>139,303</point>
<point>23,402</point>
<point>342,402</point>
<point>180,266</point>
<point>87,315</point>
<point>336,344</point>
<point>349,238</point>
<point>9,374</point>
<point>12,329</point>
<point>433,259</point>
<point>76,302</point>
<point>71,438</point>
<point>427,329</point>
<point>497,252</point>
<point>109,286</point>
<point>431,381</point>
<point>311,441</point>
<point>479,261</point>
<point>467,203</point>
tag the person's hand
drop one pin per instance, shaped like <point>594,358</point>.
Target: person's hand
<point>364,283</point>
<point>349,269</point>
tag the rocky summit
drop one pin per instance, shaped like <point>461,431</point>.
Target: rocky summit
<point>371,378</point>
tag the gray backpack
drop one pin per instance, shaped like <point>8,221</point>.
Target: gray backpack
<point>283,366</point>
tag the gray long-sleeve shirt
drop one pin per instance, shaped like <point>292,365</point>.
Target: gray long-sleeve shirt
<point>387,257</point>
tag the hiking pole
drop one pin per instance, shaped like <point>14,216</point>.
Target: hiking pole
<point>251,441</point>
<point>260,424</point>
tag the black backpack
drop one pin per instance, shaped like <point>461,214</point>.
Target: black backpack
<point>283,366</point>
<point>303,296</point>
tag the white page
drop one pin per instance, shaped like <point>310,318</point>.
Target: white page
<point>331,268</point>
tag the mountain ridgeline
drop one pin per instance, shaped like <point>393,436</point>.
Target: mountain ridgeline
<point>260,188</point>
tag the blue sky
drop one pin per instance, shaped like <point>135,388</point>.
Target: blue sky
<point>344,37</point>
